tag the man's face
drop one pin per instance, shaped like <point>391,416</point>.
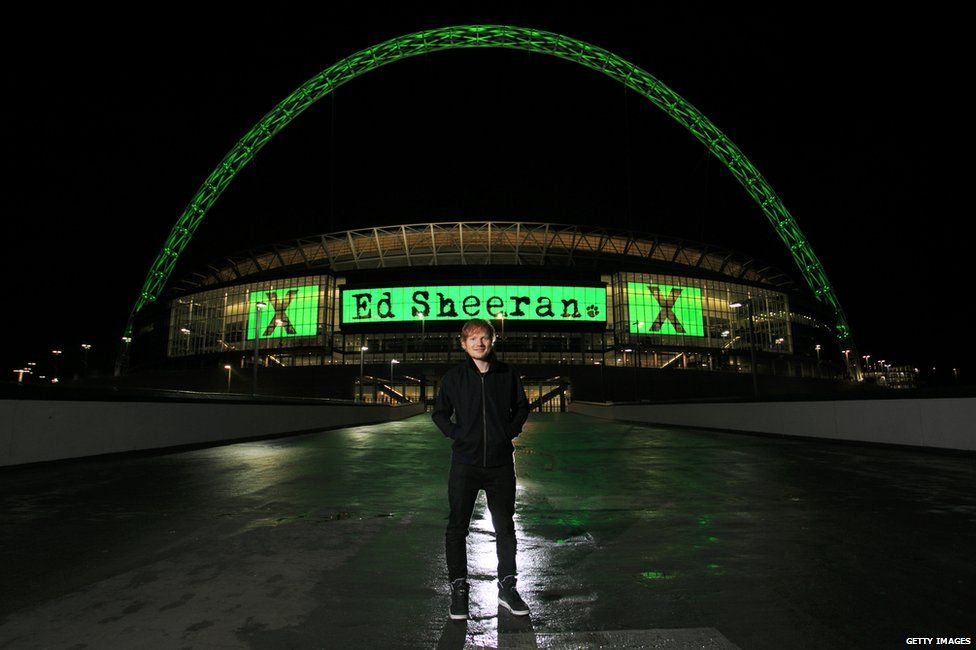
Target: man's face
<point>477,344</point>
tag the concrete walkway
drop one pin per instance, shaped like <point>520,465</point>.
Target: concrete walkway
<point>629,536</point>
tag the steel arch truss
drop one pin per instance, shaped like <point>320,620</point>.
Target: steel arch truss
<point>493,36</point>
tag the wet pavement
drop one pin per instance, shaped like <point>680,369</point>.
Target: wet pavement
<point>629,536</point>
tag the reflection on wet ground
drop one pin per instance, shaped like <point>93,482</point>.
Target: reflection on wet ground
<point>629,536</point>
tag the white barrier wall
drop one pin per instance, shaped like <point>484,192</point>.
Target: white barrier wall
<point>948,423</point>
<point>40,430</point>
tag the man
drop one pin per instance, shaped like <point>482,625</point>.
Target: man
<point>489,407</point>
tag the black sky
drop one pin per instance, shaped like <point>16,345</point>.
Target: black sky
<point>851,118</point>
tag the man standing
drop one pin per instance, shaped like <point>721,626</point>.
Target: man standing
<point>489,407</point>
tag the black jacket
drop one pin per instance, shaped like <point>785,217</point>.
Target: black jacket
<point>489,411</point>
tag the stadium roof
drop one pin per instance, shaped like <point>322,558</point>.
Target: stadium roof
<point>478,243</point>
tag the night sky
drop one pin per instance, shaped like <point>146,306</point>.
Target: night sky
<point>851,118</point>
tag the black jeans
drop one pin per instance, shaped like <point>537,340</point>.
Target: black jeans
<point>462,491</point>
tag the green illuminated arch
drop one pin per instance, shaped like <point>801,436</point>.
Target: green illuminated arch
<point>492,36</point>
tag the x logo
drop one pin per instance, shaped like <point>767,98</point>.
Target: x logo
<point>666,313</point>
<point>279,317</point>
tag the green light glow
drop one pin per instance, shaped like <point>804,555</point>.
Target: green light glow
<point>656,575</point>
<point>492,36</point>
<point>289,312</point>
<point>570,520</point>
<point>438,303</point>
<point>665,309</point>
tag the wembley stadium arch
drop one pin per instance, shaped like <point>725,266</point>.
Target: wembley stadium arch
<point>494,36</point>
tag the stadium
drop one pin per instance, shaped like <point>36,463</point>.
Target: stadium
<point>585,312</point>
<point>373,314</point>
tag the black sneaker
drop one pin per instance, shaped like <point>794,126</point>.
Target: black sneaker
<point>509,598</point>
<point>459,599</point>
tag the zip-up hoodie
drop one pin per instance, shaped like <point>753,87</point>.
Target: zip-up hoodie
<point>489,410</point>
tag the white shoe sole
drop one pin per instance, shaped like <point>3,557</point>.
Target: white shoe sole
<point>517,612</point>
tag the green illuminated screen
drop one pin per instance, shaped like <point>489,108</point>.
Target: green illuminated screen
<point>288,312</point>
<point>665,309</point>
<point>515,302</point>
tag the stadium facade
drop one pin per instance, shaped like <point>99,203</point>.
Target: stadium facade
<point>559,295</point>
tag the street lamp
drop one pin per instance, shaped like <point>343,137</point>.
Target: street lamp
<point>639,324</point>
<point>603,383</point>
<point>84,358</point>
<point>227,368</point>
<point>257,324</point>
<point>752,343</point>
<point>362,350</point>
<point>122,362</point>
<point>57,355</point>
<point>633,356</point>
<point>423,336</point>
<point>392,362</point>
<point>186,348</point>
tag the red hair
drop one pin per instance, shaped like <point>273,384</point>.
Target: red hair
<point>478,324</point>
